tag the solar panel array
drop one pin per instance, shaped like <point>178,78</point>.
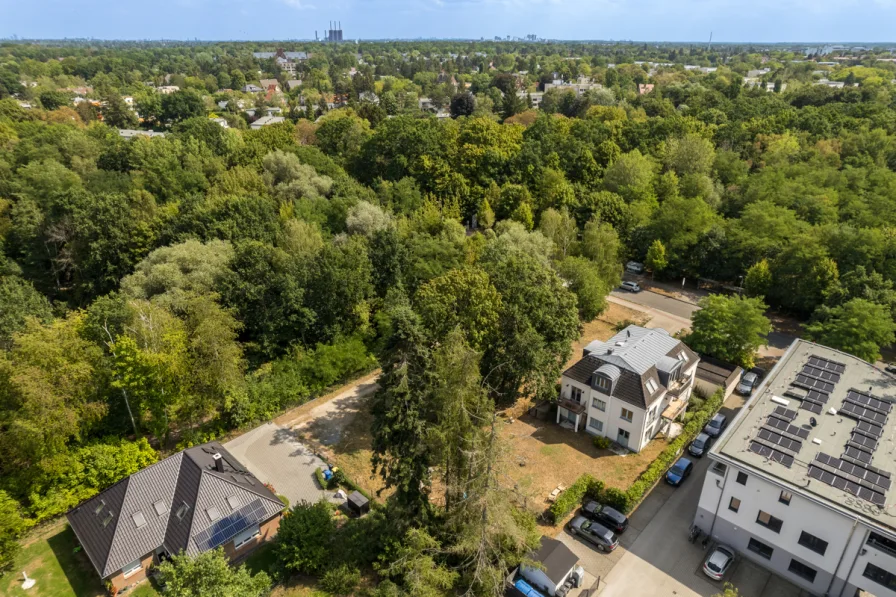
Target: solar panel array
<point>827,364</point>
<point>231,526</point>
<point>778,440</point>
<point>771,453</point>
<point>818,377</point>
<point>784,413</point>
<point>865,482</point>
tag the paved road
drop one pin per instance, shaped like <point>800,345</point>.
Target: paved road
<point>660,302</point>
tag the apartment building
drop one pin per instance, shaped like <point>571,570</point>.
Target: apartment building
<point>800,481</point>
<point>628,388</point>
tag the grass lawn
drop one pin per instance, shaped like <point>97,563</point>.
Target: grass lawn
<point>48,556</point>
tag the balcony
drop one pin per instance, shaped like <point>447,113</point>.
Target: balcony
<point>678,387</point>
<point>571,405</point>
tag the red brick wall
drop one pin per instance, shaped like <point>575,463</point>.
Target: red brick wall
<point>119,581</point>
<point>268,529</point>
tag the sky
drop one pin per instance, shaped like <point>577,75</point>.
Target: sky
<point>640,20</point>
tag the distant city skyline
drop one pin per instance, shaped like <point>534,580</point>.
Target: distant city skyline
<point>759,21</point>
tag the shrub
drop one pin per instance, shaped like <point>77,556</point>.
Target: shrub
<point>319,475</point>
<point>570,498</point>
<point>601,442</point>
<point>341,581</point>
<point>283,499</point>
<point>615,498</point>
<point>304,543</point>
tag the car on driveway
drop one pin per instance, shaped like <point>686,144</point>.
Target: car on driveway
<point>630,286</point>
<point>718,562</point>
<point>716,426</point>
<point>700,445</point>
<point>680,471</point>
<point>634,267</point>
<point>596,534</point>
<point>609,517</point>
<point>747,384</point>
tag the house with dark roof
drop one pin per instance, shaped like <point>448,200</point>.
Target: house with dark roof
<point>198,499</point>
<point>556,572</point>
<point>629,388</point>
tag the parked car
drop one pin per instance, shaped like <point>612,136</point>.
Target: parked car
<point>716,426</point>
<point>596,534</point>
<point>634,267</point>
<point>680,471</point>
<point>747,384</point>
<point>609,517</point>
<point>700,445</point>
<point>890,369</point>
<point>718,562</point>
<point>630,286</point>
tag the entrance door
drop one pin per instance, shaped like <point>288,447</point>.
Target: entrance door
<point>622,437</point>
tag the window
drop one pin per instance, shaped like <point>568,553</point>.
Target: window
<point>882,543</point>
<point>769,521</point>
<point>99,507</point>
<point>596,424</point>
<point>246,536</point>
<point>139,519</point>
<point>108,519</point>
<point>718,468</point>
<point>758,547</point>
<point>576,394</point>
<point>599,404</point>
<point>160,507</point>
<point>651,385</point>
<point>602,383</point>
<point>182,510</point>
<point>627,415</point>
<point>233,501</point>
<point>742,477</point>
<point>213,513</point>
<point>131,568</point>
<point>683,357</point>
<point>880,576</point>
<point>802,570</point>
<point>785,497</point>
<point>814,543</point>
<point>647,436</point>
<point>734,504</point>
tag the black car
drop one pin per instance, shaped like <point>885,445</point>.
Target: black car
<point>715,427</point>
<point>594,533</point>
<point>613,519</point>
<point>680,471</point>
<point>890,369</point>
<point>700,445</point>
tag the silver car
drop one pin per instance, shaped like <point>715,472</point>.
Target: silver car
<point>747,384</point>
<point>718,562</point>
<point>596,534</point>
<point>630,286</point>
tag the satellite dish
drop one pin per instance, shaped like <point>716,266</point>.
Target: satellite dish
<point>812,421</point>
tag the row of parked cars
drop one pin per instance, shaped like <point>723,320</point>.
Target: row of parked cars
<point>599,525</point>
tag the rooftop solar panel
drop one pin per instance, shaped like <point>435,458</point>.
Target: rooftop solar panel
<point>810,383</point>
<point>856,411</point>
<point>817,361</point>
<point>868,402</point>
<point>811,407</point>
<point>226,528</point>
<point>789,446</point>
<point>863,442</point>
<point>784,413</point>
<point>820,373</point>
<point>856,456</point>
<point>797,433</point>
<point>869,429</point>
<point>771,453</point>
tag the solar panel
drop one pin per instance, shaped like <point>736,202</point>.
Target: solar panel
<point>811,383</point>
<point>230,526</point>
<point>868,402</point>
<point>856,456</point>
<point>852,485</point>
<point>784,413</point>
<point>771,453</point>
<point>786,444</point>
<point>812,407</point>
<point>797,433</point>
<point>827,364</point>
<point>869,429</point>
<point>856,411</point>
<point>820,373</point>
<point>863,442</point>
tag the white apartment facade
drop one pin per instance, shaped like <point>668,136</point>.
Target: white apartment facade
<point>628,388</point>
<point>780,492</point>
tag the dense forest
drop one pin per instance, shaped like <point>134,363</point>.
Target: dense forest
<point>158,292</point>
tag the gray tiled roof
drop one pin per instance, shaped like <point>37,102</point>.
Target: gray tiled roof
<point>186,477</point>
<point>636,358</point>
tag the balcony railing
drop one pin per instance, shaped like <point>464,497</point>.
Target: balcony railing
<point>677,388</point>
<point>571,405</point>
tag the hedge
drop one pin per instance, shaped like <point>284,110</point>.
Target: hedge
<point>339,478</point>
<point>624,501</point>
<point>571,497</point>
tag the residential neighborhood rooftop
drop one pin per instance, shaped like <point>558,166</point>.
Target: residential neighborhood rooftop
<point>820,422</point>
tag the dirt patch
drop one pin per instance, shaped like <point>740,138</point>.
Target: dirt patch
<point>544,455</point>
<point>312,408</point>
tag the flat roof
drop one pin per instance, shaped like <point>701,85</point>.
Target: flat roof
<point>846,458</point>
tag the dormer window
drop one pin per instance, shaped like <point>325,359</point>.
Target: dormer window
<point>683,356</point>
<point>602,383</point>
<point>651,385</point>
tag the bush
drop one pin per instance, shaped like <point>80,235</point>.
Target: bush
<point>283,499</point>
<point>304,543</point>
<point>616,498</point>
<point>341,581</point>
<point>569,499</point>
<point>601,442</point>
<point>319,474</point>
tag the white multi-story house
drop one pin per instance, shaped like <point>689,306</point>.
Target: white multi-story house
<point>628,388</point>
<point>800,482</point>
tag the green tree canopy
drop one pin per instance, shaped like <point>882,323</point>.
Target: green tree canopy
<point>858,327</point>
<point>730,328</point>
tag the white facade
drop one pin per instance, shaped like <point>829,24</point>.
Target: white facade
<point>838,571</point>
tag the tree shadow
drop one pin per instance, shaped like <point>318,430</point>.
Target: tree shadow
<point>80,574</point>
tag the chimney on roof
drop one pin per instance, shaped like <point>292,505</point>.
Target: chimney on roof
<point>219,462</point>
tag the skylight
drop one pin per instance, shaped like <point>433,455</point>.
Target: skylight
<point>213,513</point>
<point>139,519</point>
<point>234,501</point>
<point>161,507</point>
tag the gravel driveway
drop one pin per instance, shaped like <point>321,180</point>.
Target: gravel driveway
<point>273,454</point>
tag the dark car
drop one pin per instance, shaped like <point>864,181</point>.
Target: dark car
<point>718,562</point>
<point>747,384</point>
<point>700,445</point>
<point>715,427</point>
<point>605,515</point>
<point>596,534</point>
<point>890,369</point>
<point>679,472</point>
